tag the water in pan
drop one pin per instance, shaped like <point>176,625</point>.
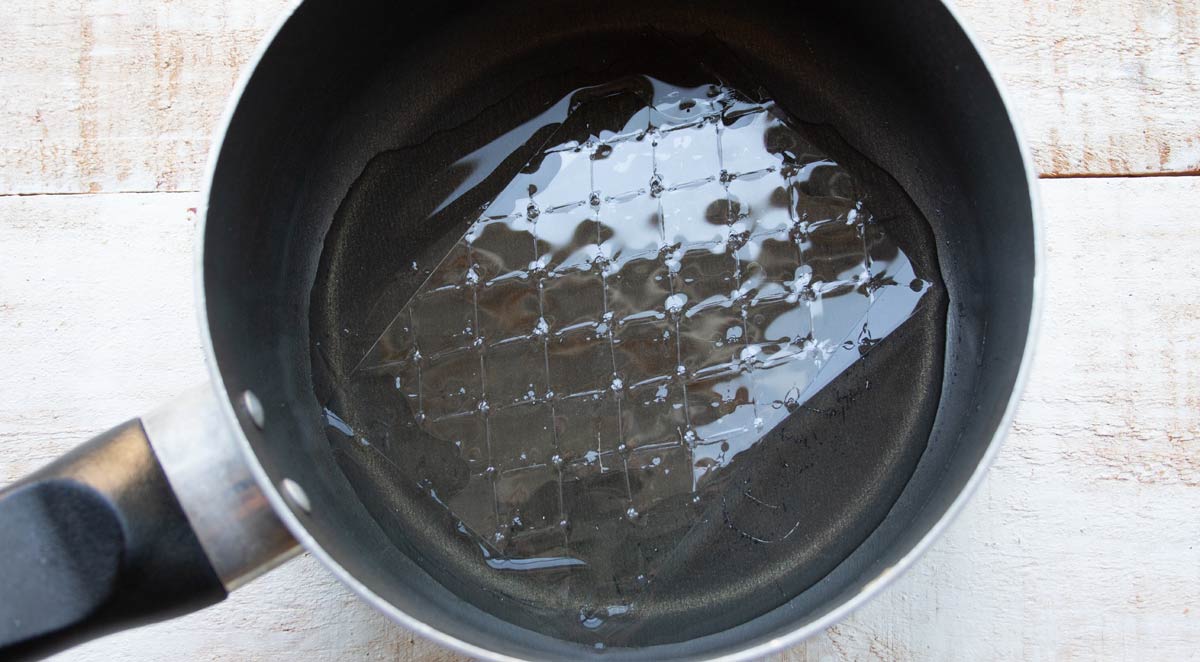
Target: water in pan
<point>642,303</point>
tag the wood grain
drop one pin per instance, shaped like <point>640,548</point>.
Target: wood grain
<point>114,96</point>
<point>105,95</point>
<point>1109,87</point>
<point>96,316</point>
<point>1081,544</point>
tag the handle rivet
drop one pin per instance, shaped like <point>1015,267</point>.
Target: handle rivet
<point>254,409</point>
<point>295,494</point>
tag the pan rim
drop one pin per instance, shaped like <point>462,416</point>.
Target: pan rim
<point>838,612</point>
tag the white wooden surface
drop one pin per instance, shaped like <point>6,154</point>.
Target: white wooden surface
<point>1083,543</point>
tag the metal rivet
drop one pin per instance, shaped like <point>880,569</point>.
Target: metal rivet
<point>254,408</point>
<point>295,494</point>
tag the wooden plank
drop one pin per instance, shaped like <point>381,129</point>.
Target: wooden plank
<point>116,96</point>
<point>1082,543</point>
<point>96,316</point>
<point>1101,88</point>
<point>106,95</point>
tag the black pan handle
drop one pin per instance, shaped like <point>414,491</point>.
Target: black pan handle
<point>95,542</point>
<point>120,533</point>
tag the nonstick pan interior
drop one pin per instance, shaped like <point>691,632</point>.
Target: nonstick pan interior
<point>785,511</point>
<point>322,196</point>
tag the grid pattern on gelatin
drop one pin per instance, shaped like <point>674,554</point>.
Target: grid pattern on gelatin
<point>623,318</point>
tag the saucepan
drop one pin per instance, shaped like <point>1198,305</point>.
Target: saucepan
<point>623,330</point>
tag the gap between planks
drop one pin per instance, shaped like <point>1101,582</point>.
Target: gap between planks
<point>61,193</point>
<point>1050,176</point>
<point>1125,175</point>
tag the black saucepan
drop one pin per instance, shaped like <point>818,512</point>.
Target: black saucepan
<point>344,164</point>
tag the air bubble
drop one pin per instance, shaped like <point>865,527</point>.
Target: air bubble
<point>676,302</point>
<point>656,186</point>
<point>661,393</point>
